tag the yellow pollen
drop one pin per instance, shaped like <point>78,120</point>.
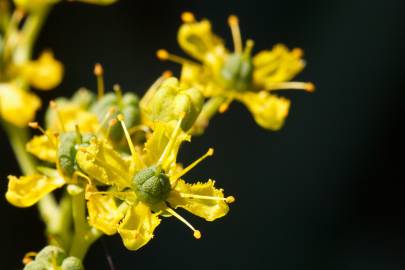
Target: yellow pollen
<point>230,199</point>
<point>197,234</point>
<point>167,74</point>
<point>162,54</point>
<point>33,125</point>
<point>187,17</point>
<point>233,20</point>
<point>98,69</point>
<point>310,87</point>
<point>298,52</point>
<point>29,257</point>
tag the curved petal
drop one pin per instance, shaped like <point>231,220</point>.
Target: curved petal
<point>42,148</point>
<point>104,214</point>
<point>25,191</point>
<point>205,208</point>
<point>137,227</point>
<point>269,111</point>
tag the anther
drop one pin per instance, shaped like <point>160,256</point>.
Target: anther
<point>162,54</point>
<point>310,87</point>
<point>230,199</point>
<point>187,17</point>
<point>298,52</point>
<point>167,74</point>
<point>99,72</point>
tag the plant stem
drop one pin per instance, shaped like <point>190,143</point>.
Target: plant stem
<point>84,235</point>
<point>210,108</point>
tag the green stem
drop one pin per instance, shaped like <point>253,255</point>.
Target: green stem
<point>84,235</point>
<point>210,108</point>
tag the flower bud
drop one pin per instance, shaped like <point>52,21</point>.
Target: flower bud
<point>128,106</point>
<point>50,255</point>
<point>171,100</point>
<point>72,263</point>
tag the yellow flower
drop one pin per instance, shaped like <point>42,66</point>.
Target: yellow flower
<point>16,105</point>
<point>33,5</point>
<point>145,185</point>
<point>44,73</point>
<point>224,76</point>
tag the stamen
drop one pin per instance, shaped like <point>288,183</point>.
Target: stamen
<point>229,199</point>
<point>112,123</point>
<point>105,119</point>
<point>209,153</point>
<point>197,233</point>
<point>166,56</point>
<point>54,107</point>
<point>136,158</point>
<point>298,52</point>
<point>306,86</point>
<point>187,17</point>
<point>172,140</point>
<point>29,257</point>
<point>249,46</point>
<point>114,170</point>
<point>118,92</point>
<point>236,36</point>
<point>99,72</point>
<point>35,125</point>
<point>224,106</point>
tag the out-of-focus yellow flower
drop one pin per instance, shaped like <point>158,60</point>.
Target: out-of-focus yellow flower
<point>224,75</point>
<point>33,5</point>
<point>44,73</point>
<point>145,185</point>
<point>16,105</point>
<point>98,2</point>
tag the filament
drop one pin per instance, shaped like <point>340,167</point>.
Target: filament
<point>35,125</point>
<point>54,107</point>
<point>99,72</point>
<point>134,154</point>
<point>197,233</point>
<point>306,86</point>
<point>236,36</point>
<point>166,56</point>
<point>229,199</point>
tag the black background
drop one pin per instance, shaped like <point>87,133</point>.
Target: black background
<point>326,192</point>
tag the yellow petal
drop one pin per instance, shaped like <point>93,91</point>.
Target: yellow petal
<point>277,65</point>
<point>104,213</point>
<point>198,40</point>
<point>205,208</point>
<point>42,148</point>
<point>269,111</point>
<point>98,2</point>
<point>25,191</point>
<point>156,144</point>
<point>137,227</point>
<point>101,162</point>
<point>16,105</point>
<point>44,73</point>
<point>72,115</point>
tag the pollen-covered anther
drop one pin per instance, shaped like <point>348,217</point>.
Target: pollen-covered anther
<point>197,234</point>
<point>162,54</point>
<point>233,20</point>
<point>187,17</point>
<point>230,199</point>
<point>167,74</point>
<point>120,117</point>
<point>33,125</point>
<point>29,257</point>
<point>298,52</point>
<point>98,69</point>
<point>310,87</point>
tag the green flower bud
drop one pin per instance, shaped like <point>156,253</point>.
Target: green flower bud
<point>170,100</point>
<point>34,265</point>
<point>151,185</point>
<point>72,263</point>
<point>67,152</point>
<point>128,106</point>
<point>84,98</point>
<point>49,256</point>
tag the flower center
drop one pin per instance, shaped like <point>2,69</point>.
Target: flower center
<point>151,185</point>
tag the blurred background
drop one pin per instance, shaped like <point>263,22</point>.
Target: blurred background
<point>326,192</point>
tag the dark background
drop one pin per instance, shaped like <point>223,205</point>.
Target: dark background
<point>326,192</point>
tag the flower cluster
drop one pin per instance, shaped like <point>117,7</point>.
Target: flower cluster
<point>115,155</point>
